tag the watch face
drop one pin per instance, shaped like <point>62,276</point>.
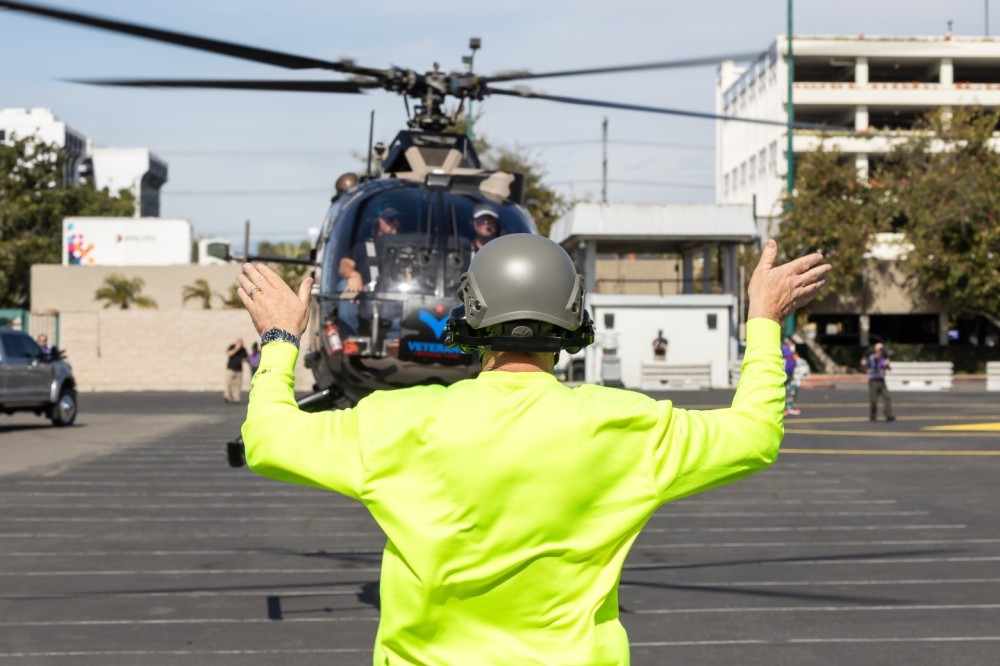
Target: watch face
<point>275,334</point>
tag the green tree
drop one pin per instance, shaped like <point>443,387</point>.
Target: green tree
<point>232,300</point>
<point>834,212</point>
<point>122,292</point>
<point>33,203</point>
<point>200,290</point>
<point>292,274</point>
<point>946,181</point>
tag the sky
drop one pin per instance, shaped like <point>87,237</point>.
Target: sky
<point>272,158</point>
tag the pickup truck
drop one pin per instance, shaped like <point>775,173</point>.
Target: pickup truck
<point>33,381</point>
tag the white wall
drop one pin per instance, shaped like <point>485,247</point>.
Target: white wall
<point>683,320</point>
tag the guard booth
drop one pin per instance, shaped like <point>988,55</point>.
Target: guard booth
<point>669,267</point>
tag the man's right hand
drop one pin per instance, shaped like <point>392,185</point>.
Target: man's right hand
<point>775,292</point>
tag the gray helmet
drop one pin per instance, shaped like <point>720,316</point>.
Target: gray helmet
<point>521,292</point>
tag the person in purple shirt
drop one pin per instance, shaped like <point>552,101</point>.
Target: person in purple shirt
<point>877,363</point>
<point>791,380</point>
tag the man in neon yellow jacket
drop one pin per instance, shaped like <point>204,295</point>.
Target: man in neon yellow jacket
<point>510,501</point>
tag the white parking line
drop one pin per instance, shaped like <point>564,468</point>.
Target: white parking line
<point>100,623</point>
<point>794,641</point>
<point>817,609</point>
<point>819,528</point>
<point>829,583</point>
<point>184,653</point>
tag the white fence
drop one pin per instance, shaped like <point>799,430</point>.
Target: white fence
<point>920,376</point>
<point>662,376</point>
<point>993,376</point>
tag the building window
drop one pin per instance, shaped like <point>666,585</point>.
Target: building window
<point>734,179</point>
<point>725,185</point>
<point>753,168</point>
<point>761,156</point>
<point>773,158</point>
<point>743,174</point>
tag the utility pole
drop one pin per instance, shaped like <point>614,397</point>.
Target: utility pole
<point>789,324</point>
<point>604,163</point>
<point>986,5</point>
<point>474,45</point>
<point>246,240</point>
<point>789,153</point>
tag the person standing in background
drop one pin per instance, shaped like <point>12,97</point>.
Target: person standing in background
<point>791,378</point>
<point>877,363</point>
<point>253,358</point>
<point>236,354</point>
<point>660,345</point>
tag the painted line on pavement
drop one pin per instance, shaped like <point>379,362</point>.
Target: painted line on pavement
<point>885,452</point>
<point>986,427</point>
<point>911,434</point>
<point>794,641</point>
<point>817,609</point>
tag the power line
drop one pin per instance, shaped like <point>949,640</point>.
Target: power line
<point>246,193</point>
<point>624,142</point>
<point>650,183</point>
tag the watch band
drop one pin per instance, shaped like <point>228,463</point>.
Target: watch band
<point>276,334</point>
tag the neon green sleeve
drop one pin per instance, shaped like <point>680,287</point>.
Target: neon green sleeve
<point>700,450</point>
<point>282,442</point>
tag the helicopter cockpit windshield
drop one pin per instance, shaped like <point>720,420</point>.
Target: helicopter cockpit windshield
<point>394,261</point>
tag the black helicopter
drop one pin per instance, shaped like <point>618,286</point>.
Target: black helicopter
<point>394,243</point>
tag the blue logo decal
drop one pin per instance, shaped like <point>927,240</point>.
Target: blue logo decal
<point>435,324</point>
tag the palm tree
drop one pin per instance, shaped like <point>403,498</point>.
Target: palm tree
<point>120,291</point>
<point>233,299</point>
<point>199,289</point>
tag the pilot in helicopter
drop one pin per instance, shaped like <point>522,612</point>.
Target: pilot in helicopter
<point>355,268</point>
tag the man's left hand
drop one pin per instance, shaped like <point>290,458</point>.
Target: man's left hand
<point>272,303</point>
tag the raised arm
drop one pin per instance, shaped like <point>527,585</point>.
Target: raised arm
<point>704,449</point>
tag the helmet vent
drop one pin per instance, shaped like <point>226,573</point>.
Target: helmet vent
<point>521,332</point>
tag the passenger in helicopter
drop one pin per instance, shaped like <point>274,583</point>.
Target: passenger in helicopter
<point>485,224</point>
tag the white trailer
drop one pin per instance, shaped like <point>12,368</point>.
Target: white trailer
<point>125,241</point>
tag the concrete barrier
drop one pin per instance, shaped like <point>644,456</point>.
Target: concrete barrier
<point>662,376</point>
<point>920,376</point>
<point>993,376</point>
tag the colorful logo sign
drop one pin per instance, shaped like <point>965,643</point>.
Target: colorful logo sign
<point>78,250</point>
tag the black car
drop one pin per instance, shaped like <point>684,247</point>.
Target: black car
<point>34,381</point>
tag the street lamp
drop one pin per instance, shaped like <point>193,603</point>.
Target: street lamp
<point>474,45</point>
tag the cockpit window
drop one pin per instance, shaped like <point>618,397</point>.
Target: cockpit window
<point>399,217</point>
<point>404,240</point>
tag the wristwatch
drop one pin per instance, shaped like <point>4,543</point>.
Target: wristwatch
<point>276,334</point>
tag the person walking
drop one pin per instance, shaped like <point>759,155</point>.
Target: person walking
<point>236,354</point>
<point>877,363</point>
<point>791,377</point>
<point>510,501</point>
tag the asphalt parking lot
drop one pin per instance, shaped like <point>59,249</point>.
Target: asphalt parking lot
<point>127,539</point>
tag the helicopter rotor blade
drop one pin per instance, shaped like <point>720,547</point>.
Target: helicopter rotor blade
<point>266,56</point>
<point>237,84</point>
<point>651,109</point>
<point>666,64</point>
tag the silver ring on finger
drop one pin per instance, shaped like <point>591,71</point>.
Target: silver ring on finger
<point>253,291</point>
